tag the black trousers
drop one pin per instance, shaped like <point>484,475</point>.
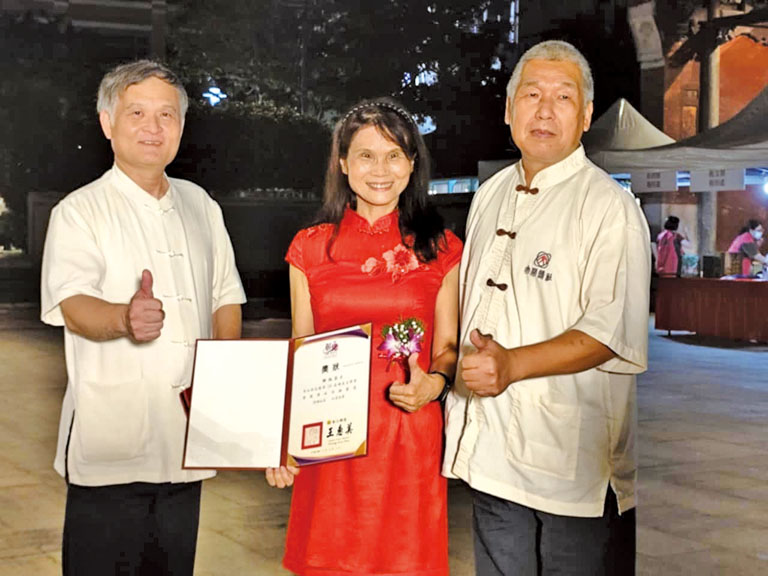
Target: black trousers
<point>134,529</point>
<point>511,539</point>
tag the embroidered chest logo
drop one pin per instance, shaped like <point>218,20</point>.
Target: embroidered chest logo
<point>539,268</point>
<point>542,259</point>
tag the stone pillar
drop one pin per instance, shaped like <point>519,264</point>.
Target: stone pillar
<point>650,55</point>
<point>707,223</point>
<point>652,95</point>
<point>709,73</point>
<point>709,117</point>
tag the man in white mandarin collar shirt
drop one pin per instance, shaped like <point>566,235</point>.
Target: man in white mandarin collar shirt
<point>554,306</point>
<point>136,267</point>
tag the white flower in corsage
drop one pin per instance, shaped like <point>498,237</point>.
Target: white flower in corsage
<point>400,340</point>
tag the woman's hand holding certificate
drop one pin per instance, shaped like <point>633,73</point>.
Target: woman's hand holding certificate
<point>281,477</point>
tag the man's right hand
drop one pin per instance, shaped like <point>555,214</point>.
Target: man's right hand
<point>488,371</point>
<point>144,317</point>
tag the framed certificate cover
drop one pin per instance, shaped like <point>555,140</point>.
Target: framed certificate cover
<point>263,403</point>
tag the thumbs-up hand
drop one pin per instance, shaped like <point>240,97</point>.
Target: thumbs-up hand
<point>420,390</point>
<point>144,317</point>
<point>489,370</point>
<point>145,286</point>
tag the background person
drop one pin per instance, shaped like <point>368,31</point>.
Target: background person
<point>136,267</point>
<point>669,248</point>
<point>379,254</point>
<point>745,250</point>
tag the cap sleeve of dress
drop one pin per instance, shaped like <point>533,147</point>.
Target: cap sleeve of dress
<point>308,247</point>
<point>295,254</point>
<point>450,252</point>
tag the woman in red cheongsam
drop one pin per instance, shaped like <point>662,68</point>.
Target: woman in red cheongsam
<point>379,254</point>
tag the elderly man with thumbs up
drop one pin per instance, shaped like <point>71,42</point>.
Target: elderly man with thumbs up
<point>136,267</point>
<point>554,306</point>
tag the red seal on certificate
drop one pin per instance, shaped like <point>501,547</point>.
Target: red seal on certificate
<point>312,435</point>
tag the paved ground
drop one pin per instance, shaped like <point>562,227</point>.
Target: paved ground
<point>704,463</point>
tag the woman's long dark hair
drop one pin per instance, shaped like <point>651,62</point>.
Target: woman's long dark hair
<point>421,226</point>
<point>751,225</point>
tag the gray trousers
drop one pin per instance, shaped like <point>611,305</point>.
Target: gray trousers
<point>514,540</point>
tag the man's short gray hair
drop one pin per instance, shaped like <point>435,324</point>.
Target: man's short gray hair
<point>555,50</point>
<point>117,80</point>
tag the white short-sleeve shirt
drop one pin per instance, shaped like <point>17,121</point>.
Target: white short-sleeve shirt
<point>122,420</point>
<point>573,256</point>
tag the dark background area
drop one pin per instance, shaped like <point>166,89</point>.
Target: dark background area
<point>289,68</point>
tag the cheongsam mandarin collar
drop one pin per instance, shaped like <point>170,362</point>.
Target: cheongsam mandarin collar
<point>137,194</point>
<point>558,172</point>
<point>382,225</point>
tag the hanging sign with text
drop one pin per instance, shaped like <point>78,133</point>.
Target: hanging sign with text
<point>717,179</point>
<point>654,181</point>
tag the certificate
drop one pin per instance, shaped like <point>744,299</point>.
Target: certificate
<point>259,403</point>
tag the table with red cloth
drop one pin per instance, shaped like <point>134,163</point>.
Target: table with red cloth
<point>734,309</point>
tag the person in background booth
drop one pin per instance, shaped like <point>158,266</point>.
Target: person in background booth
<point>744,250</point>
<point>669,248</point>
<point>379,254</point>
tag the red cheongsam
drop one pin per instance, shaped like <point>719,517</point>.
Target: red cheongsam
<point>384,513</point>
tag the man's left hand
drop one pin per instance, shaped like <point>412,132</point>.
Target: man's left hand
<point>421,389</point>
<point>489,370</point>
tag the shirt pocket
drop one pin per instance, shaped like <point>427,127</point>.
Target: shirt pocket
<point>544,436</point>
<point>111,420</point>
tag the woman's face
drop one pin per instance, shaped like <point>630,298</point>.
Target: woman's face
<point>378,171</point>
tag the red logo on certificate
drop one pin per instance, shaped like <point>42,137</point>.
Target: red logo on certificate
<point>331,349</point>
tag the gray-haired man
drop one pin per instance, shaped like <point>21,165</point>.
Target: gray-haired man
<point>554,312</point>
<point>136,267</point>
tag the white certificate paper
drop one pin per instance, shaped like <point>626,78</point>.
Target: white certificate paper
<point>262,403</point>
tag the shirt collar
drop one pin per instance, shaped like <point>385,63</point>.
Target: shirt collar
<point>558,172</point>
<point>137,194</point>
<point>382,225</point>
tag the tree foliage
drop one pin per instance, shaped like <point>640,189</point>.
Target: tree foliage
<point>321,56</point>
<point>244,148</point>
<point>50,131</point>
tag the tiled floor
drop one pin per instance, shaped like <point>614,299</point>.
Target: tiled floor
<point>703,457</point>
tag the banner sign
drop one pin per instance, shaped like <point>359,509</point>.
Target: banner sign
<point>646,36</point>
<point>717,179</point>
<point>654,181</point>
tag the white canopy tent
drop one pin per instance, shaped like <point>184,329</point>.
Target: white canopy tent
<point>622,127</point>
<point>741,142</point>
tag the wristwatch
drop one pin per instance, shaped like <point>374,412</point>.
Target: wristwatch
<point>448,383</point>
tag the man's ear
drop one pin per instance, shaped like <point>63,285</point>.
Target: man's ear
<point>508,112</point>
<point>106,124</point>
<point>588,116</point>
